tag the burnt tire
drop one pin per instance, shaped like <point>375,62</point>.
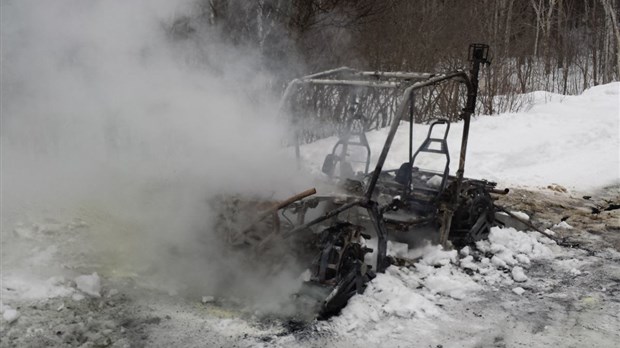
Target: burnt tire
<point>339,271</point>
<point>354,277</point>
<point>473,218</point>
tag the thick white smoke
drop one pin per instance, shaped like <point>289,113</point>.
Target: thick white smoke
<point>106,109</point>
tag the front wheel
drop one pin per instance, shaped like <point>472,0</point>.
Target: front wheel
<point>338,271</point>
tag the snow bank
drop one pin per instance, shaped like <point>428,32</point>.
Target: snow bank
<point>572,141</point>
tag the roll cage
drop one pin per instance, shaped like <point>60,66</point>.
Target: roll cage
<point>410,82</point>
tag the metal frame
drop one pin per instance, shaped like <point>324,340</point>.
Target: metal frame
<point>411,82</point>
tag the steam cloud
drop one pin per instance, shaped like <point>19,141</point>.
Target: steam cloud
<point>105,110</point>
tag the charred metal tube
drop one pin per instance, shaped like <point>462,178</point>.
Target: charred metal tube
<point>382,235</point>
<point>397,74</point>
<point>354,83</point>
<point>281,205</point>
<point>500,192</point>
<point>320,219</point>
<point>328,73</point>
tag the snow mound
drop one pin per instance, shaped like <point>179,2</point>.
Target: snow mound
<point>433,255</point>
<point>10,315</point>
<point>506,250</point>
<point>388,300</point>
<point>514,247</point>
<point>448,280</point>
<point>412,298</point>
<point>32,288</point>
<point>411,292</point>
<point>393,293</point>
<point>403,292</point>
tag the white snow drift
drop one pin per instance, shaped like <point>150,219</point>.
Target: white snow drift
<point>573,141</point>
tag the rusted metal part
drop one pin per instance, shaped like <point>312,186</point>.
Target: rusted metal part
<point>284,204</point>
<point>295,198</point>
<point>273,211</point>
<point>326,216</point>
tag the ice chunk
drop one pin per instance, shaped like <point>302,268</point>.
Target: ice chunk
<point>563,225</point>
<point>523,259</point>
<point>518,275</point>
<point>521,215</point>
<point>397,249</point>
<point>468,262</point>
<point>89,284</point>
<point>435,181</point>
<point>208,299</point>
<point>498,262</point>
<point>549,232</point>
<point>575,272</point>
<point>10,315</point>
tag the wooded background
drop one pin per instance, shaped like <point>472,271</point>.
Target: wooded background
<point>562,46</point>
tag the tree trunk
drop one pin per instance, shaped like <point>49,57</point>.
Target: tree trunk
<point>611,18</point>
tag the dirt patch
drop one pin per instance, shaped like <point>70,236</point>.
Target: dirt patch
<point>593,217</point>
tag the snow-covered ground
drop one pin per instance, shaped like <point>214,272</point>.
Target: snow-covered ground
<point>61,288</point>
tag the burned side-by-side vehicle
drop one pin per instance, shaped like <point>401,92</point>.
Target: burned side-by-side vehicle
<point>332,234</point>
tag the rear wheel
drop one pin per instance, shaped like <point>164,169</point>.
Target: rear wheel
<point>473,218</point>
